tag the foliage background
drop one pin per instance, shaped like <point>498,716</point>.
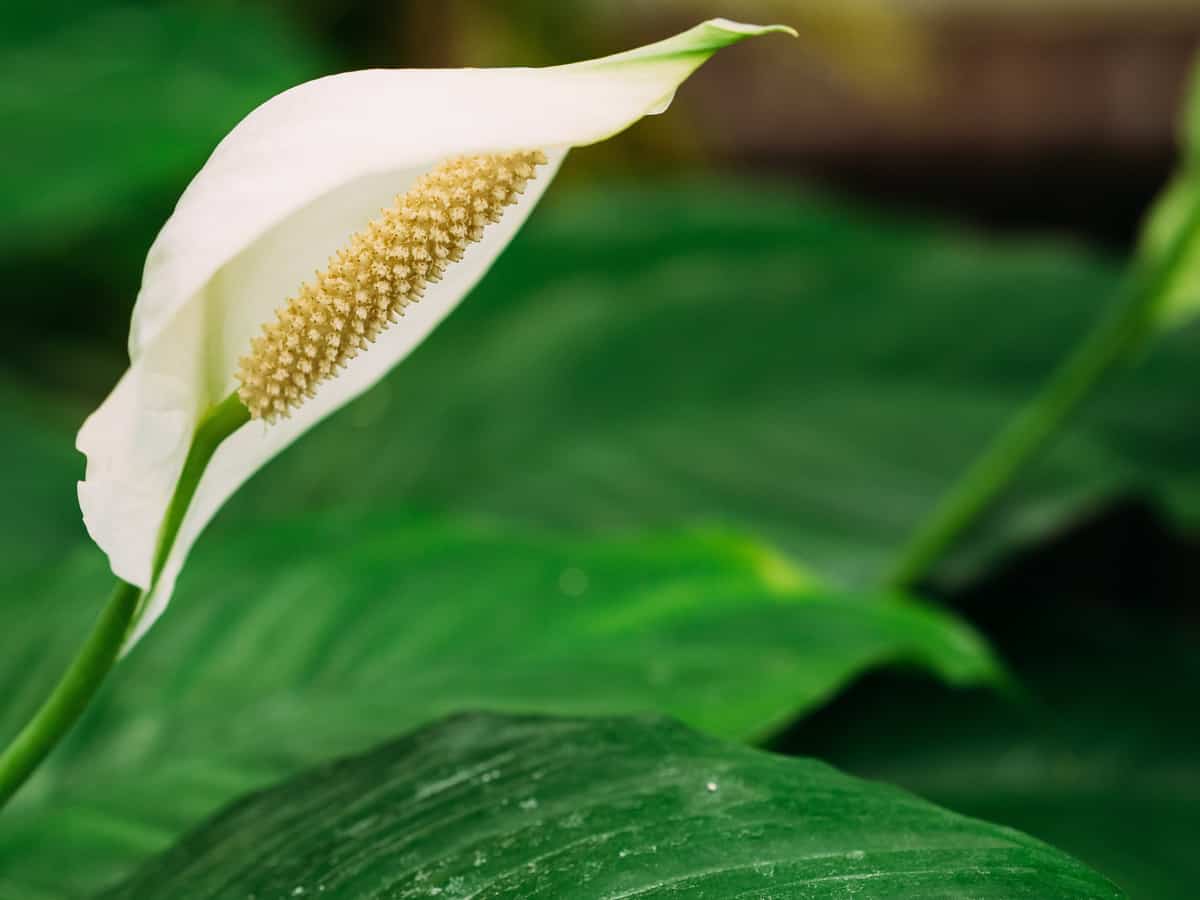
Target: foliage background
<point>882,239</point>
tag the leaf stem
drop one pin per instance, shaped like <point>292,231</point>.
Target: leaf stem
<point>95,659</point>
<point>1114,338</point>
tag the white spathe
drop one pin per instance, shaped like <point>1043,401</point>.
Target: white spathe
<point>282,192</point>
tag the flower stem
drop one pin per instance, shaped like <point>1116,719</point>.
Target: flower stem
<point>94,660</point>
<point>72,694</point>
<point>219,423</point>
<point>1114,338</point>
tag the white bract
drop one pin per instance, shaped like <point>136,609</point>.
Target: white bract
<point>282,192</point>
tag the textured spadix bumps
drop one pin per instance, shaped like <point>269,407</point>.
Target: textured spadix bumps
<point>295,181</point>
<point>385,267</point>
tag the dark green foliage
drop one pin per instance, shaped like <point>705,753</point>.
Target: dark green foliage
<point>488,807</point>
<point>289,642</point>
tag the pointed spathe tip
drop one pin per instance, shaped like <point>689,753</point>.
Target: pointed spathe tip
<point>743,28</point>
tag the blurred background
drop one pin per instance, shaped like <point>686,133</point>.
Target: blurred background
<point>1006,114</point>
<point>1007,121</point>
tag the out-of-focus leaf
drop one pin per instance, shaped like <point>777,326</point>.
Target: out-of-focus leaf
<point>39,513</point>
<point>111,101</point>
<point>1179,302</point>
<point>291,642</point>
<point>483,806</point>
<point>743,354</point>
<point>1179,204</point>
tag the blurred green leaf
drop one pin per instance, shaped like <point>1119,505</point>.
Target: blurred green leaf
<point>516,807</point>
<point>739,353</point>
<point>291,642</point>
<point>118,100</point>
<point>39,516</point>
<point>1178,205</point>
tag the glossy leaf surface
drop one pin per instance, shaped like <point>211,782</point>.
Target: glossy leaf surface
<point>487,807</point>
<point>294,641</point>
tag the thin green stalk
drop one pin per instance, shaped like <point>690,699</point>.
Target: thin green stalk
<point>95,659</point>
<point>72,694</point>
<point>221,421</point>
<point>1114,338</point>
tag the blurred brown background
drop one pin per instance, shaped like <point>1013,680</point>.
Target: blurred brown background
<point>1021,113</point>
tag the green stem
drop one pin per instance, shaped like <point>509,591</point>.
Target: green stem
<point>93,662</point>
<point>1113,339</point>
<point>221,421</point>
<point>72,694</point>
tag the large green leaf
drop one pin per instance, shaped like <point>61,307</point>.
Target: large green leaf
<point>482,806</point>
<point>289,642</point>
<point>750,355</point>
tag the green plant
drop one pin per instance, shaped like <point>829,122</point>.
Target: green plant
<point>610,375</point>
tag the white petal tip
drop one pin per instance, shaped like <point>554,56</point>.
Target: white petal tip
<point>662,105</point>
<point>744,29</point>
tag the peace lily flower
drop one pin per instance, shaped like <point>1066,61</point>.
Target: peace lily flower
<point>290,191</point>
<point>237,347</point>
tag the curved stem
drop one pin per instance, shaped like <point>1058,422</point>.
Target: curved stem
<point>94,660</point>
<point>73,693</point>
<point>1113,339</point>
<point>219,423</point>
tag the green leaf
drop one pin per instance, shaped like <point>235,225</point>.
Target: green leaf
<point>40,514</point>
<point>120,100</point>
<point>1104,765</point>
<point>1175,211</point>
<point>658,356</point>
<point>1170,221</point>
<point>485,806</point>
<point>290,642</point>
